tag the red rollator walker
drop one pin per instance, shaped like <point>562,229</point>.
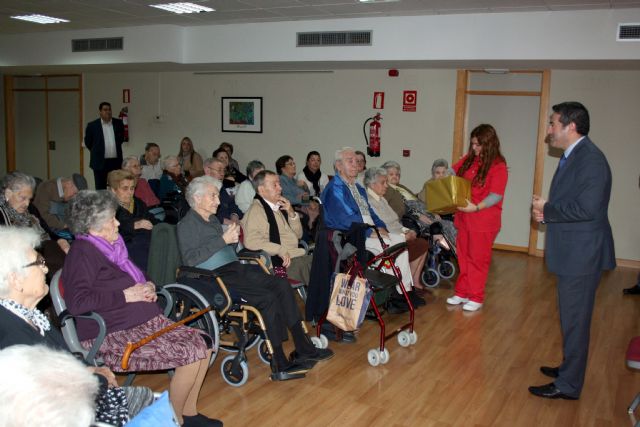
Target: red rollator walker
<point>378,281</point>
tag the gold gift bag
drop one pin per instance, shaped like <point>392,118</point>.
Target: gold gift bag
<point>444,195</point>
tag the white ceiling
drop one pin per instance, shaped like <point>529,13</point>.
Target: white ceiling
<point>95,14</point>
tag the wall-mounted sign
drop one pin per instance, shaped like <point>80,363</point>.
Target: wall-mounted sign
<point>409,100</point>
<point>378,100</point>
<point>126,96</point>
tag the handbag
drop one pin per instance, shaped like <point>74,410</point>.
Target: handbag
<point>350,297</point>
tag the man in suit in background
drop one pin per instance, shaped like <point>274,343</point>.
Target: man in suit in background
<point>104,137</point>
<point>578,244</point>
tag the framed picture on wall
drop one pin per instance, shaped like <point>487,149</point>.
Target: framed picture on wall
<point>242,115</point>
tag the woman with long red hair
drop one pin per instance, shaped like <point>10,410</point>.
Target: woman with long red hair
<point>479,222</point>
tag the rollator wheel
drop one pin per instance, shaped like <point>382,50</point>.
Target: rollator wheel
<point>320,342</point>
<point>404,339</point>
<point>234,377</point>
<point>430,278</point>
<point>413,337</point>
<point>263,352</point>
<point>384,356</point>
<point>374,356</point>
<point>446,269</point>
<point>187,301</point>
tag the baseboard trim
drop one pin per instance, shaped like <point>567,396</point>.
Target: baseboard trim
<point>511,248</point>
<point>621,262</point>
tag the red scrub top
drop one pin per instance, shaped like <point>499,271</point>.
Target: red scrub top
<point>488,219</point>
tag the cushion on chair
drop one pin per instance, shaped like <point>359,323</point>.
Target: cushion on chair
<point>633,353</point>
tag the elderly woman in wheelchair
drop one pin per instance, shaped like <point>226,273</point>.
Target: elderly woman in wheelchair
<point>204,244</point>
<point>99,276</point>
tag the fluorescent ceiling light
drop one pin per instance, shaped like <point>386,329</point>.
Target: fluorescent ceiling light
<point>378,1</point>
<point>183,8</point>
<point>40,19</point>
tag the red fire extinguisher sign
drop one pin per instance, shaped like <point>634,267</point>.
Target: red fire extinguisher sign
<point>378,100</point>
<point>409,100</point>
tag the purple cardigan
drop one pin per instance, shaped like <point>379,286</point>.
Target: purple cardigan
<point>93,283</point>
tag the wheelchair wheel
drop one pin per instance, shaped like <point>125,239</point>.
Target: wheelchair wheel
<point>446,269</point>
<point>263,352</point>
<point>187,301</point>
<point>237,376</point>
<point>430,278</point>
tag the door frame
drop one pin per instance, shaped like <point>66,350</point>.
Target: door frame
<point>460,131</point>
<point>10,116</point>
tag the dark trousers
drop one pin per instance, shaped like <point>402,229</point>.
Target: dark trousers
<point>576,295</point>
<point>271,295</point>
<point>100,175</point>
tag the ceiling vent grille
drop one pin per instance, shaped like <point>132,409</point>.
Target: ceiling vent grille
<point>96,45</point>
<point>629,32</point>
<point>334,38</point>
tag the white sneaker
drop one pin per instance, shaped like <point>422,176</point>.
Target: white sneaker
<point>455,300</point>
<point>472,306</point>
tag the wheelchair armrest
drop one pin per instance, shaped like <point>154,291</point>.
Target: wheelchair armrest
<point>195,271</point>
<point>168,298</point>
<point>102,333</point>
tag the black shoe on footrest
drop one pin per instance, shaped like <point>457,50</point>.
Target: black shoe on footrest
<point>292,371</point>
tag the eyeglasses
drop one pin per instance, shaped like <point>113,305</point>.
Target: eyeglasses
<point>40,262</point>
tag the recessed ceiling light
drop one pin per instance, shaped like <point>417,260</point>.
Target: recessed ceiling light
<point>183,8</point>
<point>40,19</point>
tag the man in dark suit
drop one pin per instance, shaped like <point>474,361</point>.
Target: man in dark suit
<point>103,138</point>
<point>578,244</point>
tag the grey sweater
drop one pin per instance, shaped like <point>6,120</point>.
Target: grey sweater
<point>198,239</point>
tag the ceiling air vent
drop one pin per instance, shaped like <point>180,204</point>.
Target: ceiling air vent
<point>334,38</point>
<point>628,32</point>
<point>96,45</point>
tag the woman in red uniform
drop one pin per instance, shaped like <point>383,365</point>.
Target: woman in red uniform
<point>478,223</point>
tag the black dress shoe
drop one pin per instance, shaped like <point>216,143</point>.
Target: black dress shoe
<point>329,331</point>
<point>397,307</point>
<point>311,359</point>
<point>416,300</point>
<point>634,290</point>
<point>549,391</point>
<point>200,421</point>
<point>549,371</point>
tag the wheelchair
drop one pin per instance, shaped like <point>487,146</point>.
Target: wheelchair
<point>439,263</point>
<point>234,326</point>
<point>68,326</point>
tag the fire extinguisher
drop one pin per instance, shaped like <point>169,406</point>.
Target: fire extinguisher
<point>124,116</point>
<point>373,141</point>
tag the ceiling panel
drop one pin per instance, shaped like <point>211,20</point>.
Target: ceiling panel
<point>95,14</point>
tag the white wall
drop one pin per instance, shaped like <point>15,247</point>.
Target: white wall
<point>302,112</point>
<point>326,111</point>
<point>612,100</point>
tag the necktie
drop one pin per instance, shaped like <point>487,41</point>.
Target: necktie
<point>563,160</point>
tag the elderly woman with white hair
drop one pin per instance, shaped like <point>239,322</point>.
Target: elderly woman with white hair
<point>404,202</point>
<point>203,243</point>
<point>172,181</point>
<point>99,276</point>
<point>16,210</point>
<point>42,387</point>
<point>143,190</point>
<point>22,286</point>
<point>375,179</point>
